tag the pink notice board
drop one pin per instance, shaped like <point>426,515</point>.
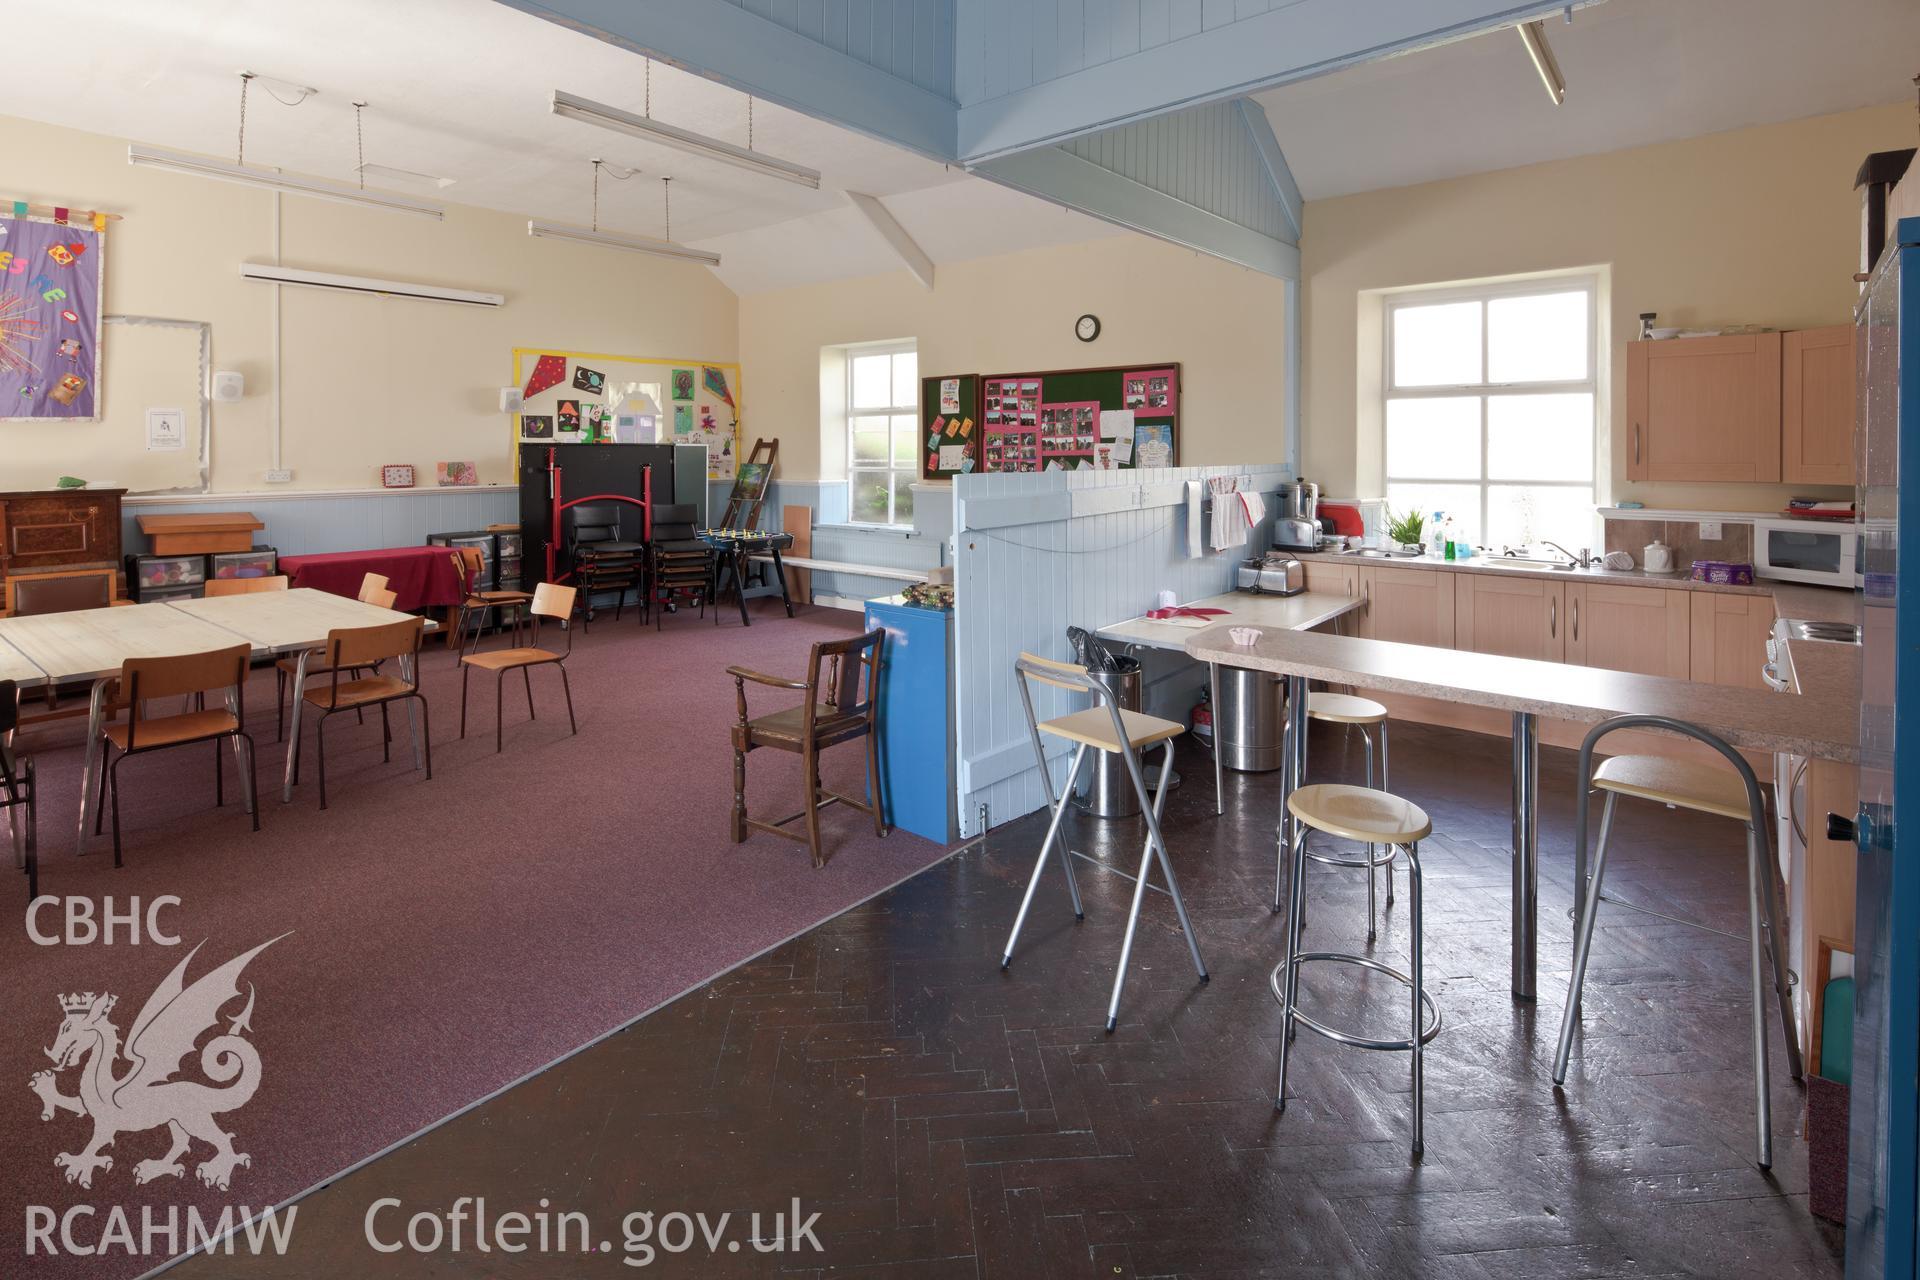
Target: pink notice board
<point>1068,433</point>
<point>1151,393</point>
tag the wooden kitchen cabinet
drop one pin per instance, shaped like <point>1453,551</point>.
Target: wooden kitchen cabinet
<point>51,529</point>
<point>1729,637</point>
<point>1412,606</point>
<point>1817,406</point>
<point>1704,409</point>
<point>1643,629</point>
<point>1513,617</point>
<point>1332,579</point>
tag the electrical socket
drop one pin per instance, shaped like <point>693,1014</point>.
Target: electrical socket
<point>280,477</point>
<point>1709,531</point>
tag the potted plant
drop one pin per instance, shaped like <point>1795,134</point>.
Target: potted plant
<point>1407,529</point>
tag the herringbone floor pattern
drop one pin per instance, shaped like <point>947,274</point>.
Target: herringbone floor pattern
<point>946,1119</point>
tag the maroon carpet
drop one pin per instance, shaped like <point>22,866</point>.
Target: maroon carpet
<point>447,937</point>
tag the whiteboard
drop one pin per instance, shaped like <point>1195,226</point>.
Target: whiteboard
<point>147,362</point>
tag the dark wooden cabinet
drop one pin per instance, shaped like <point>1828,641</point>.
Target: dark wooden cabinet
<point>59,529</point>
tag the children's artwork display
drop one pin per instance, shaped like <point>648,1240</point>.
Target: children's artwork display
<point>1080,419</point>
<point>49,319</point>
<point>456,474</point>
<point>950,415</point>
<point>580,397</point>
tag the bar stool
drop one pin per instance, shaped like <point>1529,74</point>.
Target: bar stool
<point>1703,788</point>
<point>1103,727</point>
<point>1370,817</point>
<point>1357,713</point>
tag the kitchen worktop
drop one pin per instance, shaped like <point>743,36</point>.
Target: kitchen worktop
<point>1490,564</point>
<point>1301,611</point>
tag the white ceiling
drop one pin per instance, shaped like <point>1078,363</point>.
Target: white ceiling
<point>460,89</point>
<point>1637,71</point>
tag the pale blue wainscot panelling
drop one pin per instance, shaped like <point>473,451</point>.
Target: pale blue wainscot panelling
<point>1035,554</point>
<point>305,523</point>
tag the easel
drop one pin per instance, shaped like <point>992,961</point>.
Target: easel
<point>743,504</point>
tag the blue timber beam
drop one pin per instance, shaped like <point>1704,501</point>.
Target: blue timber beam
<point>728,45</point>
<point>1232,59</point>
<point>1279,176</point>
<point>1063,178</point>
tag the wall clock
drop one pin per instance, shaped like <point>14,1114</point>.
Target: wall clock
<point>397,476</point>
<point>1087,327</point>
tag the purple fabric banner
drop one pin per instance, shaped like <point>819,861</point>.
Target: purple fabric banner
<point>49,320</point>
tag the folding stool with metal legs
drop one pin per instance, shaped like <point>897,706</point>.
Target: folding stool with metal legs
<point>1371,817</point>
<point>1103,727</point>
<point>1703,788</point>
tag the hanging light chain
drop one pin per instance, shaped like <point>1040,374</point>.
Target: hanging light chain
<point>649,111</point>
<point>596,195</point>
<point>749,122</point>
<point>666,196</point>
<point>360,145</point>
<point>240,151</point>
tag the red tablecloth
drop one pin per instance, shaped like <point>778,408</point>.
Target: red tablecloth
<point>419,577</point>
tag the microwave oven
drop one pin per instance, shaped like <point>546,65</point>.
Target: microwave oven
<point>1818,551</point>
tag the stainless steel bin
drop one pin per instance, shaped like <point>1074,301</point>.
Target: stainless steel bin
<point>1247,723</point>
<point>1104,789</point>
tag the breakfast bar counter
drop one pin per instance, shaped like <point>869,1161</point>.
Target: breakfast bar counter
<point>1757,719</point>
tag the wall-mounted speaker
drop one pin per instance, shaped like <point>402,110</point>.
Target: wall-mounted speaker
<point>228,386</point>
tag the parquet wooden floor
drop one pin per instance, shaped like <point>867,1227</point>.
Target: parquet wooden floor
<point>946,1119</point>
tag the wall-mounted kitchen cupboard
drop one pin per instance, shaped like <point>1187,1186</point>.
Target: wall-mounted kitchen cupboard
<point>1761,407</point>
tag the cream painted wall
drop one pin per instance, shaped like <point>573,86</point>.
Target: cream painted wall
<point>1757,226</point>
<point>1015,312</point>
<point>364,380</point>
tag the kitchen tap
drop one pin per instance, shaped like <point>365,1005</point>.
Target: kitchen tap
<point>1585,560</point>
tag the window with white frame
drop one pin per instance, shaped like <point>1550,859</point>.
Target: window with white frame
<point>883,450</point>
<point>1490,409</point>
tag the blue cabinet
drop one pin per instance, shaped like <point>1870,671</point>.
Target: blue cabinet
<point>916,717</point>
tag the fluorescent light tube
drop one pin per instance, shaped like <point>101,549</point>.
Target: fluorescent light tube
<point>613,240</point>
<point>573,107</point>
<point>1534,36</point>
<point>319,188</point>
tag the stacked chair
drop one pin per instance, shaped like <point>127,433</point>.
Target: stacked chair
<point>602,559</point>
<point>680,564</point>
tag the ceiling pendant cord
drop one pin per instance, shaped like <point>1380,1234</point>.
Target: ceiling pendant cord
<point>596,195</point>
<point>240,150</point>
<point>649,102</point>
<point>360,145</point>
<point>666,196</point>
<point>749,122</point>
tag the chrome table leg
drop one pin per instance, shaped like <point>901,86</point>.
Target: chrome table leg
<point>293,731</point>
<point>1293,774</point>
<point>1526,853</point>
<point>1219,770</point>
<point>89,793</point>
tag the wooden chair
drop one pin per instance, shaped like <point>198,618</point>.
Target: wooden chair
<point>16,790</point>
<point>549,601</point>
<point>356,649</point>
<point>373,590</point>
<point>840,709</point>
<point>29,594</point>
<point>468,562</point>
<point>145,679</point>
<point>245,586</point>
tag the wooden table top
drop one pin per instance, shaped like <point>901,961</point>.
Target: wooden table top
<point>1244,609</point>
<point>281,621</point>
<point>15,666</point>
<point>89,643</point>
<point>202,522</point>
<point>1758,719</point>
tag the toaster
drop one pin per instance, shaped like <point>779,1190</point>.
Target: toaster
<point>1278,576</point>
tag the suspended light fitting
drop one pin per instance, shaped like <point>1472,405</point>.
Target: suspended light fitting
<point>664,248</point>
<point>573,107</point>
<point>1534,36</point>
<point>240,172</point>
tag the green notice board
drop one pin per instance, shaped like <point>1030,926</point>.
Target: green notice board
<point>949,425</point>
<point>1116,418</point>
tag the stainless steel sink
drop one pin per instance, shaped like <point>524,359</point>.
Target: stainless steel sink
<point>1836,632</point>
<point>1523,562</point>
<point>1379,553</point>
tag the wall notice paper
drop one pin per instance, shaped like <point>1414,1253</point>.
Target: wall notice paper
<point>949,395</point>
<point>1153,444</point>
<point>1117,424</point>
<point>166,429</point>
<point>951,456</point>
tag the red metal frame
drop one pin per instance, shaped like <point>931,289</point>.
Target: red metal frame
<point>554,472</point>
